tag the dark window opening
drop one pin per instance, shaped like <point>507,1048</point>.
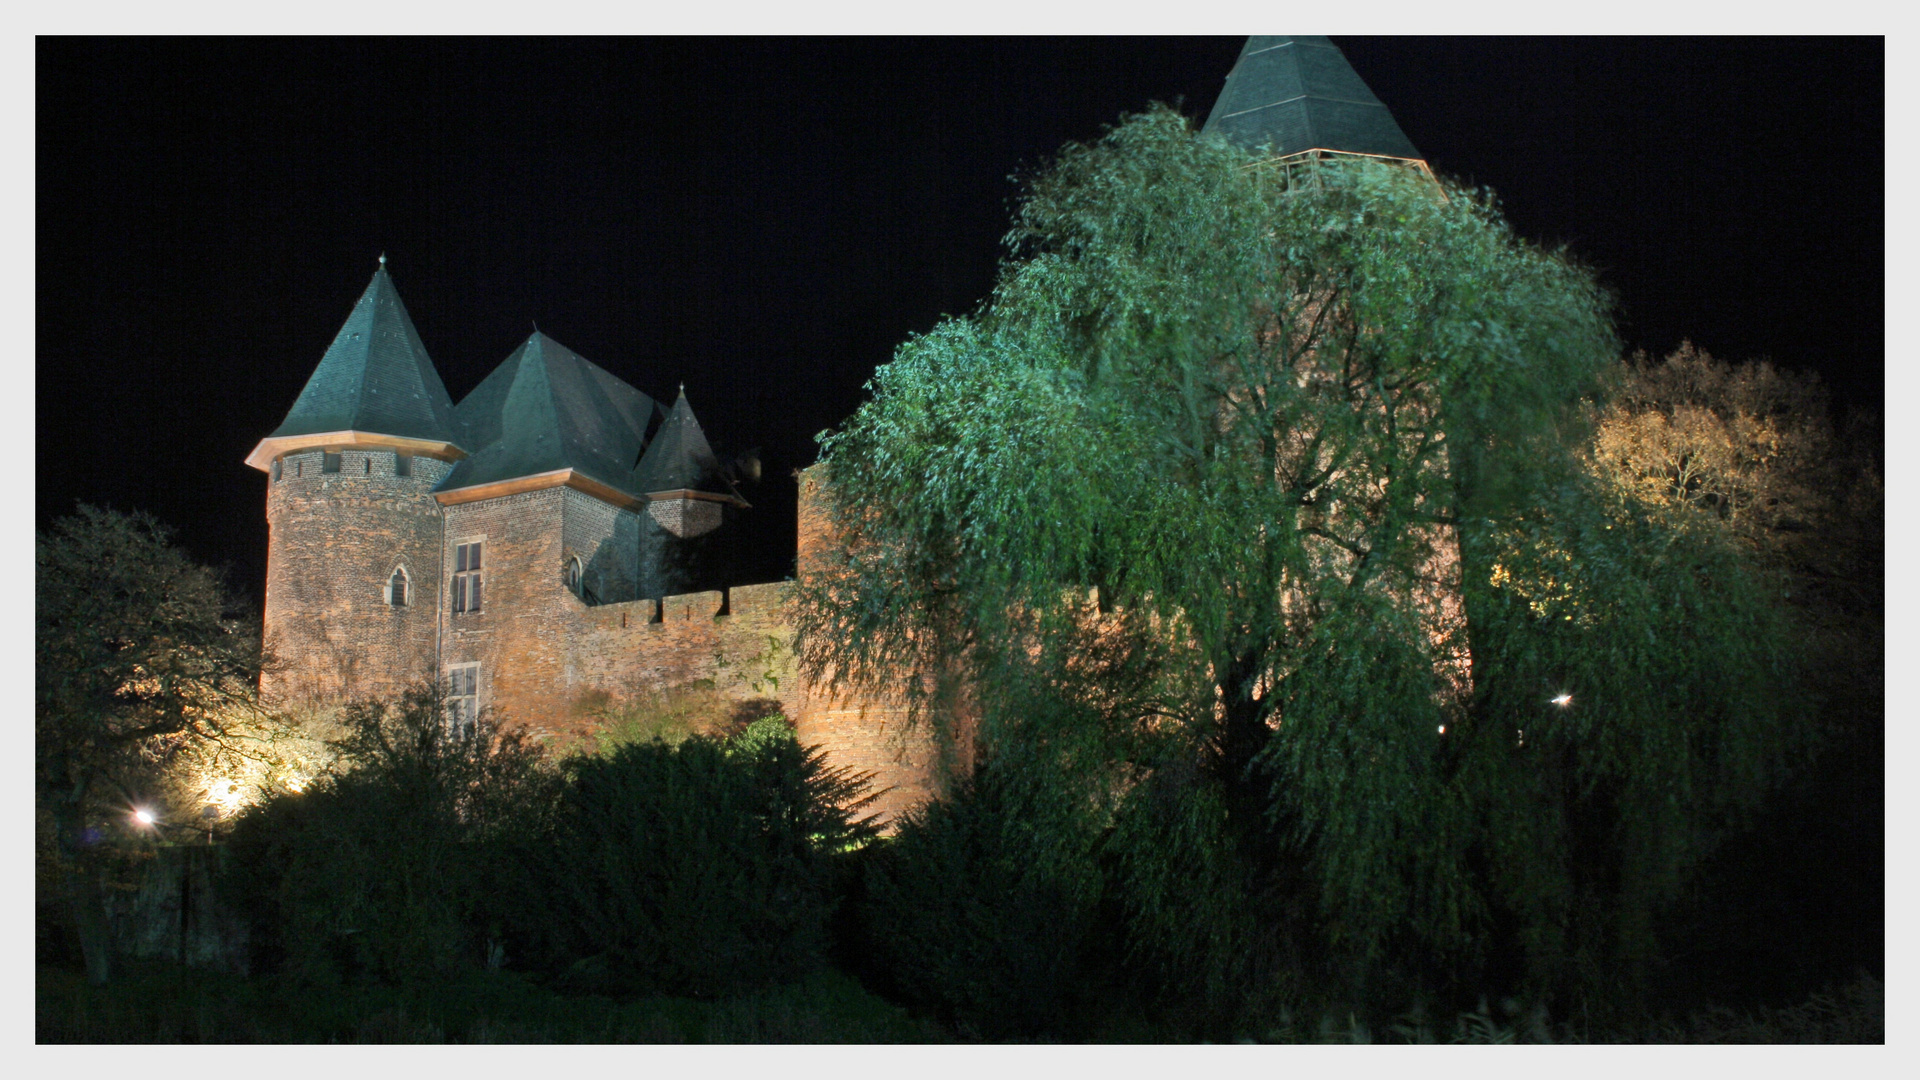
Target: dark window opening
<point>403,464</point>
<point>397,588</point>
<point>329,463</point>
<point>368,463</point>
<point>276,470</point>
<point>466,577</point>
<point>463,693</point>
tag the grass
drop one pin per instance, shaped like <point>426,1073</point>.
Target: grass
<point>154,1002</point>
<point>158,1002</point>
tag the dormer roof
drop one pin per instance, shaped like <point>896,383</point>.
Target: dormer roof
<point>1289,94</point>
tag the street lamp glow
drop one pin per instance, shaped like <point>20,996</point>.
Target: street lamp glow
<point>1563,700</point>
<point>143,815</point>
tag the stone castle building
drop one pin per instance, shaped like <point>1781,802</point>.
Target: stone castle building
<point>546,539</point>
<point>533,546</point>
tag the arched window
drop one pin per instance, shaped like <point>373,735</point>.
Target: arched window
<point>571,574</point>
<point>397,588</point>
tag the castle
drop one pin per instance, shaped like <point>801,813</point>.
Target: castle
<point>540,542</point>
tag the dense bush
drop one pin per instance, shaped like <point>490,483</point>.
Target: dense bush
<point>408,861</point>
<point>982,907</point>
<point>701,868</point>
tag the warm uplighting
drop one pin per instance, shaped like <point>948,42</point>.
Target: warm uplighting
<point>143,815</point>
<point>224,794</point>
<point>1563,700</point>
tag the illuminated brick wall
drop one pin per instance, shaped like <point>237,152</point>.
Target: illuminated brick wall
<point>541,648</point>
<point>333,540</point>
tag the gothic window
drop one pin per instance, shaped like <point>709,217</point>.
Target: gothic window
<point>397,588</point>
<point>466,577</point>
<point>463,693</point>
<point>329,463</point>
<point>571,575</point>
<point>276,470</point>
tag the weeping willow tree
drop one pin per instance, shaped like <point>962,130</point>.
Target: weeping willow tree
<point>1196,516</point>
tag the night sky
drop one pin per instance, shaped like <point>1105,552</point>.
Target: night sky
<point>766,219</point>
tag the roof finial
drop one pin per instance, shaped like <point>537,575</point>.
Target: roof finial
<point>383,259</point>
<point>683,389</point>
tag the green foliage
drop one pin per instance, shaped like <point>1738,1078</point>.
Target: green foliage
<point>1203,930</point>
<point>143,668</point>
<point>981,907</point>
<point>1301,473</point>
<point>410,861</point>
<point>1682,679</point>
<point>669,715</point>
<point>161,1003</point>
<point>705,867</point>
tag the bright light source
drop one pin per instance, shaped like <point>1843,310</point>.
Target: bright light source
<point>1443,729</point>
<point>143,815</point>
<point>1563,700</point>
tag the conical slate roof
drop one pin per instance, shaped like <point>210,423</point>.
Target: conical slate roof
<point>375,377</point>
<point>1289,94</point>
<point>679,457</point>
<point>547,408</point>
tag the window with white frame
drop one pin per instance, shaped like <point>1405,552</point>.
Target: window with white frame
<point>396,589</point>
<point>463,693</point>
<point>570,575</point>
<point>466,576</point>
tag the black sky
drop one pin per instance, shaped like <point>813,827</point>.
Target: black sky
<point>766,219</point>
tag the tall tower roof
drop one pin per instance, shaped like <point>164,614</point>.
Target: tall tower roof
<point>1292,94</point>
<point>547,412</point>
<point>375,386</point>
<point>375,376</point>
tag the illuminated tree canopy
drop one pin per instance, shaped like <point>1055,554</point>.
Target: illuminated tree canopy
<point>1216,496</point>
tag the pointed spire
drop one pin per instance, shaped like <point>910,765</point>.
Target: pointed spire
<point>1290,94</point>
<point>375,378</point>
<point>679,456</point>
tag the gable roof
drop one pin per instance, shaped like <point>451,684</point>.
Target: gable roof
<point>679,457</point>
<point>1289,94</point>
<point>375,377</point>
<point>546,408</point>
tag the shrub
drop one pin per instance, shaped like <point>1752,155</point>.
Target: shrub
<point>704,867</point>
<point>406,862</point>
<point>982,906</point>
<point>670,715</point>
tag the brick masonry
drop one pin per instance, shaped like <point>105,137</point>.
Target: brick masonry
<point>333,542</point>
<point>335,539</point>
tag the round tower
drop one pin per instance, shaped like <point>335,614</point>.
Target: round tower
<point>354,534</point>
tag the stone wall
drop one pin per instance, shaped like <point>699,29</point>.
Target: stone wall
<point>334,540</point>
<point>541,648</point>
